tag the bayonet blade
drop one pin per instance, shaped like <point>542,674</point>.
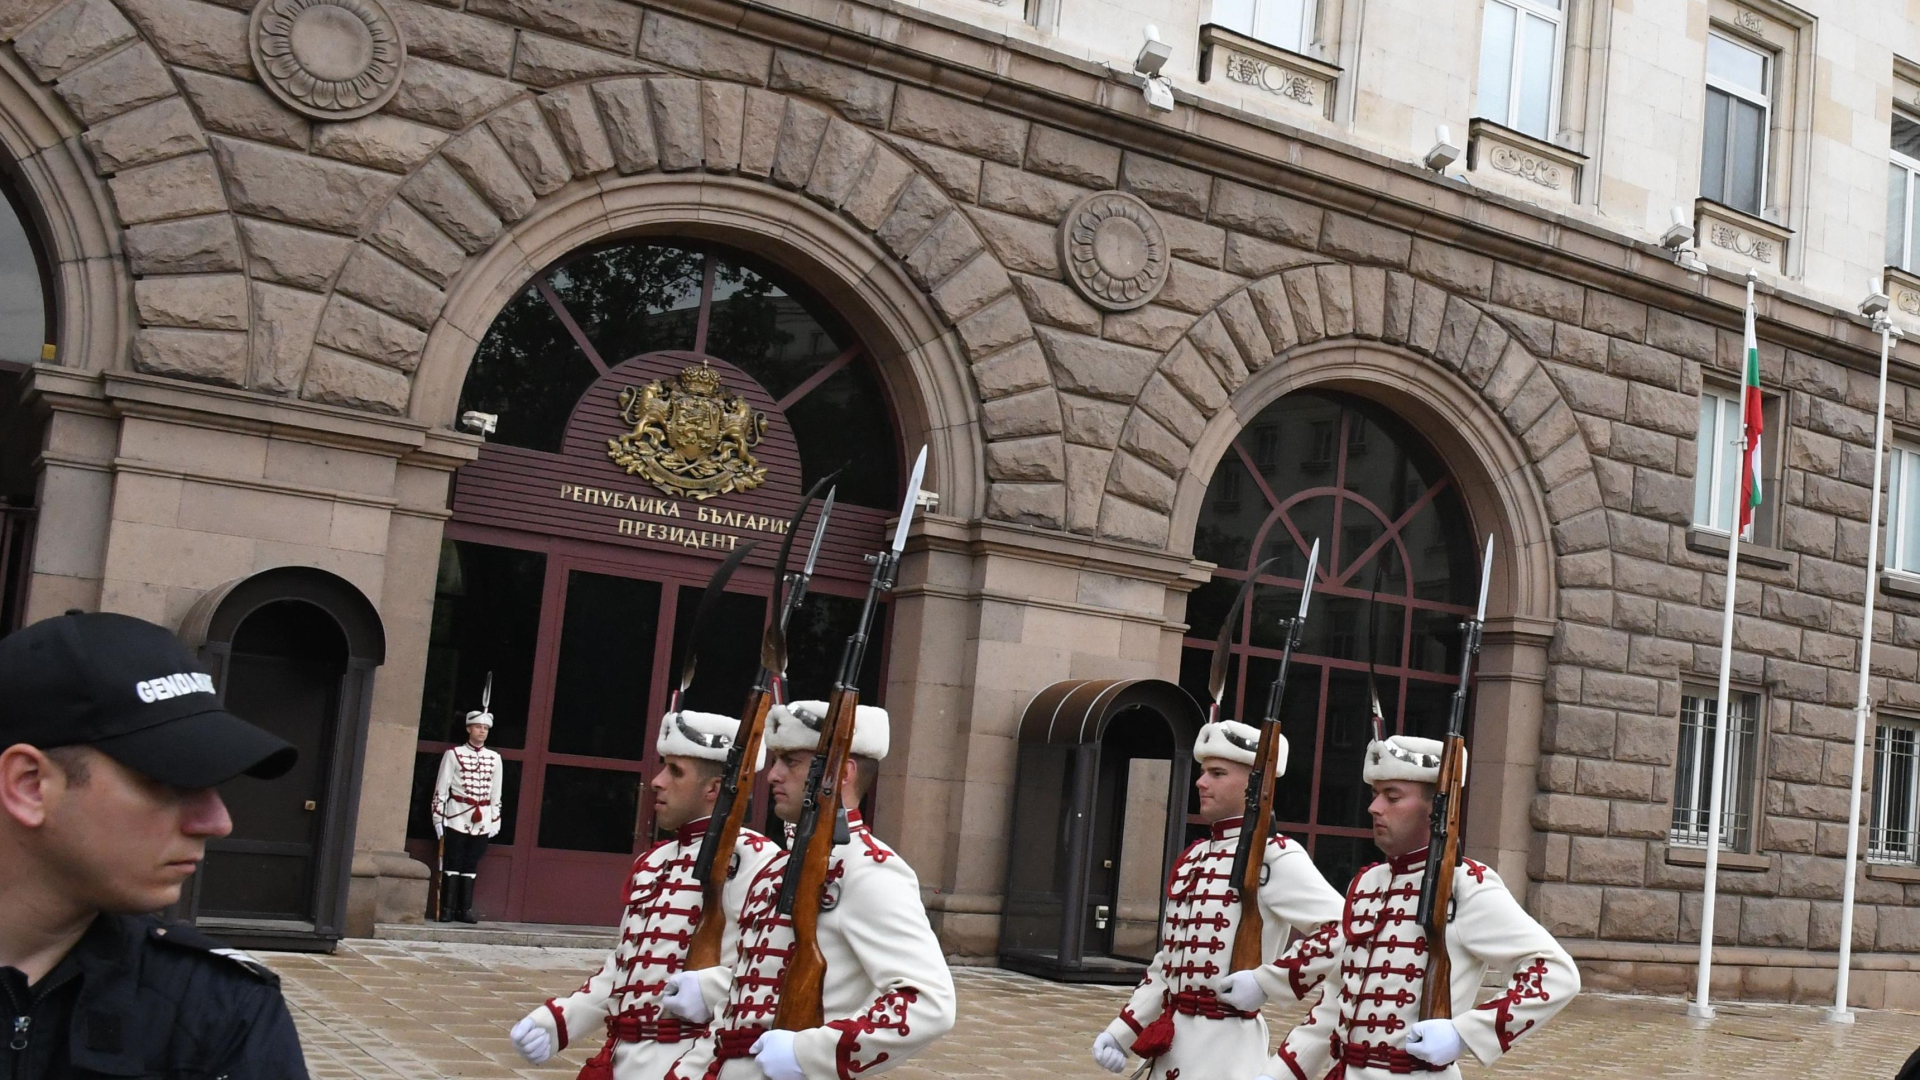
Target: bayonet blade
<point>1306,585</point>
<point>913,500</point>
<point>716,585</point>
<point>1217,676</point>
<point>820,531</point>
<point>486,694</point>
<point>1486,578</point>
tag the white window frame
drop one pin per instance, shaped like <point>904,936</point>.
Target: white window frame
<point>1912,169</point>
<point>1558,17</point>
<point>1900,844</point>
<point>1902,517</point>
<point>1309,10</point>
<point>1719,444</point>
<point>1693,772</point>
<point>1765,102</point>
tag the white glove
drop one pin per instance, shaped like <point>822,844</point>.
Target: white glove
<point>1240,990</point>
<point>439,829</point>
<point>1436,1042</point>
<point>773,1052</point>
<point>1109,1054</point>
<point>531,1040</point>
<point>683,998</point>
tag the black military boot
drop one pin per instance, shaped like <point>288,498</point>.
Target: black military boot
<point>449,897</point>
<point>465,914</point>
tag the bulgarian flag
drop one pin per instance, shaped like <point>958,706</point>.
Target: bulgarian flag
<point>1750,401</point>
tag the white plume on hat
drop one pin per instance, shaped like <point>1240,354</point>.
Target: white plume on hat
<point>794,726</point>
<point>1406,757</point>
<point>704,735</point>
<point>1235,741</point>
<point>481,717</point>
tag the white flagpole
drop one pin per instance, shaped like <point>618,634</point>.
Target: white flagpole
<point>1862,707</point>
<point>1701,1008</point>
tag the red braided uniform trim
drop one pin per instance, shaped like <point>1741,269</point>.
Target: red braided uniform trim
<point>559,1023</point>
<point>1381,1056</point>
<point>734,1043</point>
<point>633,1029</point>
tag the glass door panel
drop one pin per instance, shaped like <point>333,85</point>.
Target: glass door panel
<point>603,685</point>
<point>728,650</point>
<point>588,809</point>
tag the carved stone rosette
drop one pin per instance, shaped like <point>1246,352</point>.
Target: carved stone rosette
<point>1113,250</point>
<point>328,59</point>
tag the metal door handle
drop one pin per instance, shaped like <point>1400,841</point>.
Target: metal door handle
<point>311,805</point>
<point>1100,915</point>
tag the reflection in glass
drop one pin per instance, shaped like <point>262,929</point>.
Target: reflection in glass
<point>605,676</point>
<point>588,809</point>
<point>816,640</point>
<point>529,372</point>
<point>633,298</point>
<point>486,618</point>
<point>727,654</point>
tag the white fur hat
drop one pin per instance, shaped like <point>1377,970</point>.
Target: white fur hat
<point>795,726</point>
<point>1235,741</point>
<point>484,719</point>
<point>697,735</point>
<point>1406,757</point>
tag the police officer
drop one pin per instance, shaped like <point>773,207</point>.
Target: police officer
<point>112,741</point>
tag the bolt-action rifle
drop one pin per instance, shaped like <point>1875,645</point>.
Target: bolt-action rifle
<point>1249,855</point>
<point>1443,844</point>
<point>730,809</point>
<point>812,851</point>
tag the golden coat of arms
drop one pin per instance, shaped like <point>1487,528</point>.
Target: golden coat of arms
<point>690,437</point>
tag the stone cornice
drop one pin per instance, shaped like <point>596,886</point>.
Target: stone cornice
<point>1026,79</point>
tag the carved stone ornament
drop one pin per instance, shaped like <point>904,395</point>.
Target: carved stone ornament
<point>690,437</point>
<point>1525,166</point>
<point>1114,250</point>
<point>328,59</point>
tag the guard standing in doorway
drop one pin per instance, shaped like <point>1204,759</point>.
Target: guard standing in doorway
<point>466,814</point>
<point>1193,1019</point>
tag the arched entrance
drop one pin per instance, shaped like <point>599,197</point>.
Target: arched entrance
<point>1397,575</point>
<point>26,330</point>
<point>574,558</point>
<point>292,650</point>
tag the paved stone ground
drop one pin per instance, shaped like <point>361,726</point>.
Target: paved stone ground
<point>384,1009</point>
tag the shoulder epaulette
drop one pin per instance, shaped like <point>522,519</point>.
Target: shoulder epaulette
<point>184,936</point>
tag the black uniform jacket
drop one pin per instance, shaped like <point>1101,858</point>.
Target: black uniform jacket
<point>140,998</point>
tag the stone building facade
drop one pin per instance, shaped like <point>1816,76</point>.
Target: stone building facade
<point>270,263</point>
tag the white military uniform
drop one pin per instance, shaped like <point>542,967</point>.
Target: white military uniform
<point>1358,1030</point>
<point>1176,1001</point>
<point>466,794</point>
<point>663,906</point>
<point>887,992</point>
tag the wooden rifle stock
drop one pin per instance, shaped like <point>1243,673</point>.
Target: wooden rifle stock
<point>1254,830</point>
<point>800,991</point>
<point>723,834</point>
<point>1436,992</point>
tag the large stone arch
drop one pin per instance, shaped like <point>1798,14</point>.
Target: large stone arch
<point>1466,376</point>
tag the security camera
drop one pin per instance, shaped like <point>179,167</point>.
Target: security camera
<point>1877,301</point>
<point>1680,233</point>
<point>480,423</point>
<point>1159,93</point>
<point>928,501</point>
<point>1153,55</point>
<point>1444,153</point>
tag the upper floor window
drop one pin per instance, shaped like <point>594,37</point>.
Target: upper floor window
<point>1519,63</point>
<point>1733,161</point>
<point>1903,509</point>
<point>1903,173</point>
<point>1286,23</point>
<point>1716,471</point>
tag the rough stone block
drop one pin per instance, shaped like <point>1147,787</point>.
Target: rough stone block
<point>1036,412</point>
<point>1275,308</point>
<point>1096,368</point>
<point>1529,290</point>
<point>1250,256</point>
<point>115,83</point>
<point>439,34</point>
<point>1016,191</point>
<point>353,327</point>
<point>1147,439</point>
<point>1217,347</point>
<point>1607,861</point>
<point>1774,923</point>
<point>379,141</point>
<point>801,133</point>
<point>284,322</point>
<point>75,33</point>
<point>1073,158</point>
<point>1055,304</point>
<point>530,144</point>
<point>199,355</point>
<point>675,105</point>
<point>691,47</point>
<point>541,61</point>
<point>1131,523</point>
<point>920,205</point>
<point>1149,327</point>
<point>1573,814</point>
<point>1452,268</point>
<point>766,113</point>
<point>1397,311</point>
<point>860,97</point>
<point>629,124</point>
<point>1615,316</point>
<point>380,282</point>
<point>479,158</point>
<point>880,184</point>
<point>1172,408</point>
<point>1194,288</point>
<point>994,327</point>
<point>1567,911</point>
<point>1303,299</point>
<point>1645,821</point>
<point>1165,185</point>
<point>300,190</point>
<point>1577,729</point>
<point>149,134</point>
<point>447,96</point>
<point>1189,373</point>
<point>1615,779</point>
<point>1243,325</point>
<point>607,24</point>
<point>1640,915</point>
<point>722,107</point>
<point>183,246</point>
<point>948,246</point>
<point>1020,245</point>
<point>445,199</point>
<point>971,288</point>
<point>1011,371</point>
<point>182,187</point>
<point>290,255</point>
<point>1369,301</point>
<point>1092,422</point>
<point>945,121</point>
<point>1034,459</point>
<point>403,233</point>
<point>1645,363</point>
<point>1484,351</point>
<point>334,378</point>
<point>195,301</point>
<point>576,124</point>
<point>1336,299</point>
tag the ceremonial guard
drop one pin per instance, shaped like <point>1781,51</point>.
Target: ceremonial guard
<point>466,814</point>
<point>887,992</point>
<point>663,907</point>
<point>1192,1017</point>
<point>1367,1024</point>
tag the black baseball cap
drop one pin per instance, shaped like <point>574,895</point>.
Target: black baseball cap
<point>132,691</point>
